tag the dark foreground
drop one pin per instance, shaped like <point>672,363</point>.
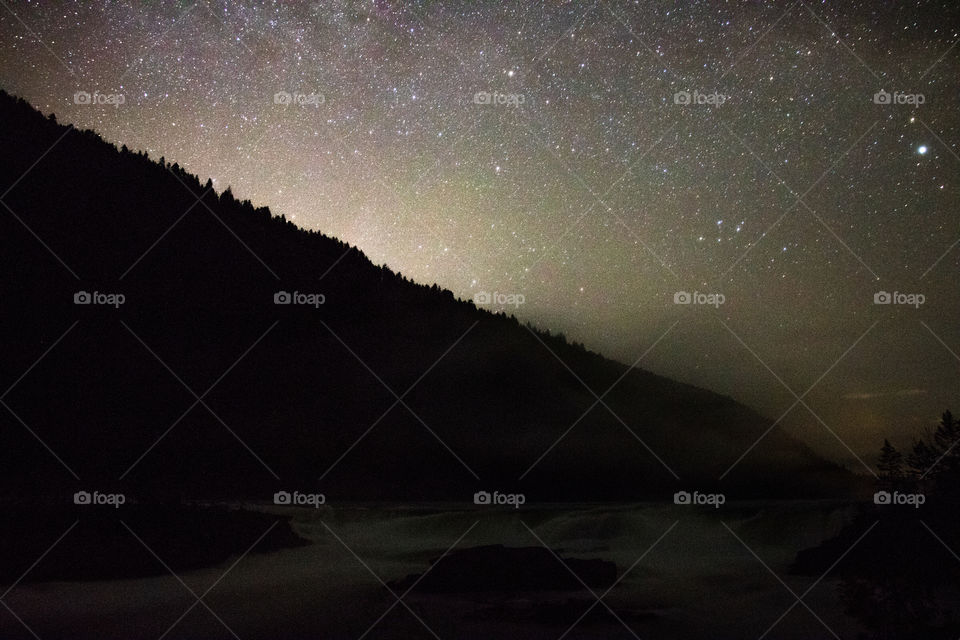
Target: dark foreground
<point>426,571</point>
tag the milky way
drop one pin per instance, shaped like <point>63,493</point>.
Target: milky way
<point>599,159</point>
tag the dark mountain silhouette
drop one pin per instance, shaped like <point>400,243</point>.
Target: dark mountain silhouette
<point>199,271</point>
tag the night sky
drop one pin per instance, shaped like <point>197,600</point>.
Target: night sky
<point>577,177</point>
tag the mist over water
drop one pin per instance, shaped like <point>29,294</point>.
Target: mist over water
<point>697,581</point>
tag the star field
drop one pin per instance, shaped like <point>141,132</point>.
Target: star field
<point>546,149</point>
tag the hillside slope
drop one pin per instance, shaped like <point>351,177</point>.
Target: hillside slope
<point>293,388</point>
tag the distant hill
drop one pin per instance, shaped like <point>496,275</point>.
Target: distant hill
<point>198,296</point>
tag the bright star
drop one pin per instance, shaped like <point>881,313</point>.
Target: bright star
<point>922,149</point>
